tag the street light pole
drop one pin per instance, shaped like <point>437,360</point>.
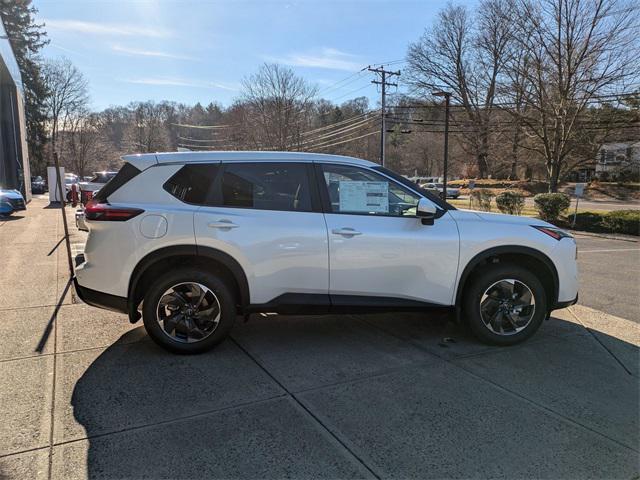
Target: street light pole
<point>447,102</point>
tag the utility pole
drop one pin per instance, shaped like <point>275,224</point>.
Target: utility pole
<point>447,104</point>
<point>383,82</point>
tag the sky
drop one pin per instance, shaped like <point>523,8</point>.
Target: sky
<point>200,51</point>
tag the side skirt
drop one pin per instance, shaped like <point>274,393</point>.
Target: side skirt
<point>318,304</point>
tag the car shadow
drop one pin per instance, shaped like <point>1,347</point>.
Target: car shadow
<point>11,217</point>
<point>149,413</point>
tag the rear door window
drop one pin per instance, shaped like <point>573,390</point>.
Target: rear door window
<point>266,186</point>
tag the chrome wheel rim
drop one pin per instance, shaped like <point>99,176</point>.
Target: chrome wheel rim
<point>507,307</point>
<point>188,312</point>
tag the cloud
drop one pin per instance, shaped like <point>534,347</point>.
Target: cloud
<point>329,58</point>
<point>95,28</point>
<point>149,53</point>
<point>180,82</point>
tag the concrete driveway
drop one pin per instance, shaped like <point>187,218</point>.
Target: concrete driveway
<point>83,393</point>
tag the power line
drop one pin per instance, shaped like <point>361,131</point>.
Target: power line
<point>349,93</point>
<point>592,100</point>
<point>341,131</point>
<point>200,140</point>
<point>203,127</point>
<point>344,141</point>
<point>341,122</point>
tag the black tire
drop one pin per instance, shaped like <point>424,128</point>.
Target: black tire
<point>487,276</point>
<point>210,280</point>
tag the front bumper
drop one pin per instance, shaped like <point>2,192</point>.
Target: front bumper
<point>566,304</point>
<point>17,204</point>
<point>100,299</point>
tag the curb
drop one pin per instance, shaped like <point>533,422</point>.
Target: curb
<point>626,238</point>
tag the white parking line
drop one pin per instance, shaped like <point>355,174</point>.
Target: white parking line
<point>611,250</point>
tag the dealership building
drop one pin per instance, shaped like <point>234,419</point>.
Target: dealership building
<point>14,159</point>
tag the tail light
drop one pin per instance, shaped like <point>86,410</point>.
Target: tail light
<point>105,212</point>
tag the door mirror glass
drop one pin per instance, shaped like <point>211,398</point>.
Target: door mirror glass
<point>426,211</point>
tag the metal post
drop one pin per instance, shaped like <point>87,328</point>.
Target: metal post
<point>447,99</point>
<point>64,214</point>
<point>383,132</point>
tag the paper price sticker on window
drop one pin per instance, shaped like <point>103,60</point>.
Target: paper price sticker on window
<point>370,197</point>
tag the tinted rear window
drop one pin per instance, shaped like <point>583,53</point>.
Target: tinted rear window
<point>126,173</point>
<point>266,186</point>
<point>193,183</point>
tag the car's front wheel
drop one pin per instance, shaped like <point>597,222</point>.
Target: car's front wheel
<point>189,310</point>
<point>504,304</point>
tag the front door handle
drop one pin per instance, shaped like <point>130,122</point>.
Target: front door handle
<point>346,231</point>
<point>223,224</point>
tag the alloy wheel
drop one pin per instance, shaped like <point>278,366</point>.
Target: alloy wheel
<point>188,312</point>
<point>507,307</point>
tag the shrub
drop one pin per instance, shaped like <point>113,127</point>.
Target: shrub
<point>551,205</point>
<point>510,202</point>
<point>481,199</point>
<point>620,221</point>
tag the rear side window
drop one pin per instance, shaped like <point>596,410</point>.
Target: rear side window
<point>266,186</point>
<point>193,183</point>
<point>126,173</point>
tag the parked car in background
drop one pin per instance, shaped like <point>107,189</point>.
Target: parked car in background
<point>38,185</point>
<point>6,208</point>
<point>437,188</point>
<point>96,182</point>
<point>69,180</point>
<point>186,241</point>
<point>13,198</point>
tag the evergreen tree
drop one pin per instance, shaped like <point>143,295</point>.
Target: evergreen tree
<point>27,38</point>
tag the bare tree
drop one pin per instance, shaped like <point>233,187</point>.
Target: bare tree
<point>277,107</point>
<point>85,146</point>
<point>68,94</point>
<point>578,52</point>
<point>466,57</point>
<point>148,130</point>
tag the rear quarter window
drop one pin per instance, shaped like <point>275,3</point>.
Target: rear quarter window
<point>193,183</point>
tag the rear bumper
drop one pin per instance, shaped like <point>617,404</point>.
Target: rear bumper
<point>101,299</point>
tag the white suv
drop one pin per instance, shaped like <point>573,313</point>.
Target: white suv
<point>188,241</point>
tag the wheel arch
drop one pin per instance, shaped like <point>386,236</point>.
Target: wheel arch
<point>527,256</point>
<point>157,261</point>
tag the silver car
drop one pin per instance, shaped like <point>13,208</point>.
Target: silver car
<point>437,188</point>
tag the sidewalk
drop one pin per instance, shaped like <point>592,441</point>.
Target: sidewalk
<point>83,393</point>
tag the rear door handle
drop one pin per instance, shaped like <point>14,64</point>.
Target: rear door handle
<point>223,224</point>
<point>346,231</point>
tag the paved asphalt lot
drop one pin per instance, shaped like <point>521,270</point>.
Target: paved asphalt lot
<point>84,394</point>
<point>610,275</point>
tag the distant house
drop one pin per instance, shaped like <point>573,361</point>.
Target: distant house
<point>618,160</point>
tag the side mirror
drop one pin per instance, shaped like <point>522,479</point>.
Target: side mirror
<point>426,211</point>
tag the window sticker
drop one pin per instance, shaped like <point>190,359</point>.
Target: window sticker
<point>371,197</point>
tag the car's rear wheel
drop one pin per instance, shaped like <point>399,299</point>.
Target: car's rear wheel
<point>189,310</point>
<point>504,304</point>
